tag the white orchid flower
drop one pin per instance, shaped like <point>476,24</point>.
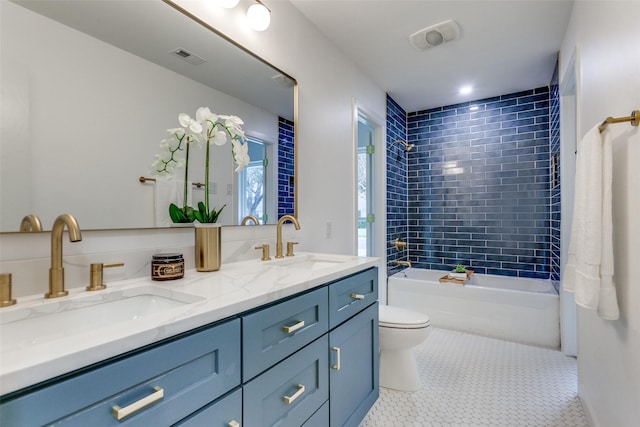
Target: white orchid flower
<point>234,124</point>
<point>204,114</point>
<point>177,132</point>
<point>240,154</point>
<point>192,128</point>
<point>219,137</point>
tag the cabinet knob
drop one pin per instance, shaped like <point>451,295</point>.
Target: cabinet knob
<point>233,423</point>
<point>290,399</point>
<point>357,296</point>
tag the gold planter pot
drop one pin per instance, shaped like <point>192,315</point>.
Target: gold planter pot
<point>208,247</point>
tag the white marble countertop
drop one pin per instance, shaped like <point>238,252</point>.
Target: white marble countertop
<point>235,288</point>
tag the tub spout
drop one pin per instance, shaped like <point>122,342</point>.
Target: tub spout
<point>402,263</point>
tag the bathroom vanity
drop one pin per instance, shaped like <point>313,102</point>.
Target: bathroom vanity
<point>292,343</point>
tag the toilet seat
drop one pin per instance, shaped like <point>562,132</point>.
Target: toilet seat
<point>400,318</point>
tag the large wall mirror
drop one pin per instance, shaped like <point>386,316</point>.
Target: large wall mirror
<point>89,89</point>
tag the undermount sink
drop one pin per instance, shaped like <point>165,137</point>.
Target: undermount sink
<point>313,261</point>
<point>54,319</point>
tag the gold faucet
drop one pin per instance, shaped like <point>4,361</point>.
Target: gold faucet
<point>30,223</point>
<point>281,221</point>
<point>403,263</point>
<point>56,272</point>
<point>248,218</point>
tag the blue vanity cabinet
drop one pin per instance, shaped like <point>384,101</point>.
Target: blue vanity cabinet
<point>352,294</point>
<point>310,360</point>
<point>273,333</point>
<point>291,392</point>
<point>159,386</point>
<point>353,376</point>
<point>320,418</point>
<point>224,412</point>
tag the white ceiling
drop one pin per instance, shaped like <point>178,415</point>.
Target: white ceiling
<point>505,46</point>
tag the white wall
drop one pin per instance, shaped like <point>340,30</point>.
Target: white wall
<point>327,83</point>
<point>607,33</point>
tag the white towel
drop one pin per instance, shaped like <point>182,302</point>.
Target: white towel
<point>589,269</point>
<point>167,191</point>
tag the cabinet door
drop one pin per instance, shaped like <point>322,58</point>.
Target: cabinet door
<point>224,412</point>
<point>353,376</point>
<point>352,294</point>
<point>292,391</point>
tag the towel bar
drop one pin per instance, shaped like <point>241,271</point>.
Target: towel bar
<point>634,118</point>
<point>144,179</point>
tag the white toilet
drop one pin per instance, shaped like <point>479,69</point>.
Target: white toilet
<point>400,331</point>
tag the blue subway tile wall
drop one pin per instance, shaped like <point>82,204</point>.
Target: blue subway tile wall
<point>478,185</point>
<point>554,129</point>
<point>285,168</point>
<point>397,223</point>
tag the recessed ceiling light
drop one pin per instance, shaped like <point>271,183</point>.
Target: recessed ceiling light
<point>465,90</point>
<point>228,4</point>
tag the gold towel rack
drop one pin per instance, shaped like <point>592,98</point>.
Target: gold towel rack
<point>634,118</point>
<point>144,179</point>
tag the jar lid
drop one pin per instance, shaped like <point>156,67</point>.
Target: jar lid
<point>167,257</point>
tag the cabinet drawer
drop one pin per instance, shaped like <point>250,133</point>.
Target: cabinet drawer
<point>191,372</point>
<point>225,412</point>
<point>320,418</point>
<point>270,335</point>
<point>352,294</point>
<point>265,397</point>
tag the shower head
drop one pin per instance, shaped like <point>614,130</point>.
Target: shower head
<point>407,147</point>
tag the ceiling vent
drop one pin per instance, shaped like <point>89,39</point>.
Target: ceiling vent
<point>435,35</point>
<point>185,55</point>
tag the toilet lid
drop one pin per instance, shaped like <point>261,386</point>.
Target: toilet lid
<point>397,317</point>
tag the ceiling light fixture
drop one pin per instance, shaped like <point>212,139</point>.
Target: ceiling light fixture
<point>465,90</point>
<point>228,4</point>
<point>259,16</point>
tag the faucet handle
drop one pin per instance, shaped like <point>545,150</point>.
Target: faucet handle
<point>5,290</point>
<point>290,248</point>
<point>265,252</point>
<point>95,275</point>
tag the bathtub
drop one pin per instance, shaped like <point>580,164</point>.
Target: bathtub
<point>511,308</point>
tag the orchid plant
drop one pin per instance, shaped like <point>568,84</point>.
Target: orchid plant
<point>207,128</point>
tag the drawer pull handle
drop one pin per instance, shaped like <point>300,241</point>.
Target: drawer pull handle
<point>293,328</point>
<point>289,399</point>
<point>120,413</point>
<point>336,367</point>
<point>233,423</point>
<point>357,296</point>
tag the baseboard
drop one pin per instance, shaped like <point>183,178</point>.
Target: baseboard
<point>592,419</point>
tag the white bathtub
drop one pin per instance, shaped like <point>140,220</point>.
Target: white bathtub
<point>510,308</point>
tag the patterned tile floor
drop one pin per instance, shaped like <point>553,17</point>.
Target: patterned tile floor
<point>473,381</point>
